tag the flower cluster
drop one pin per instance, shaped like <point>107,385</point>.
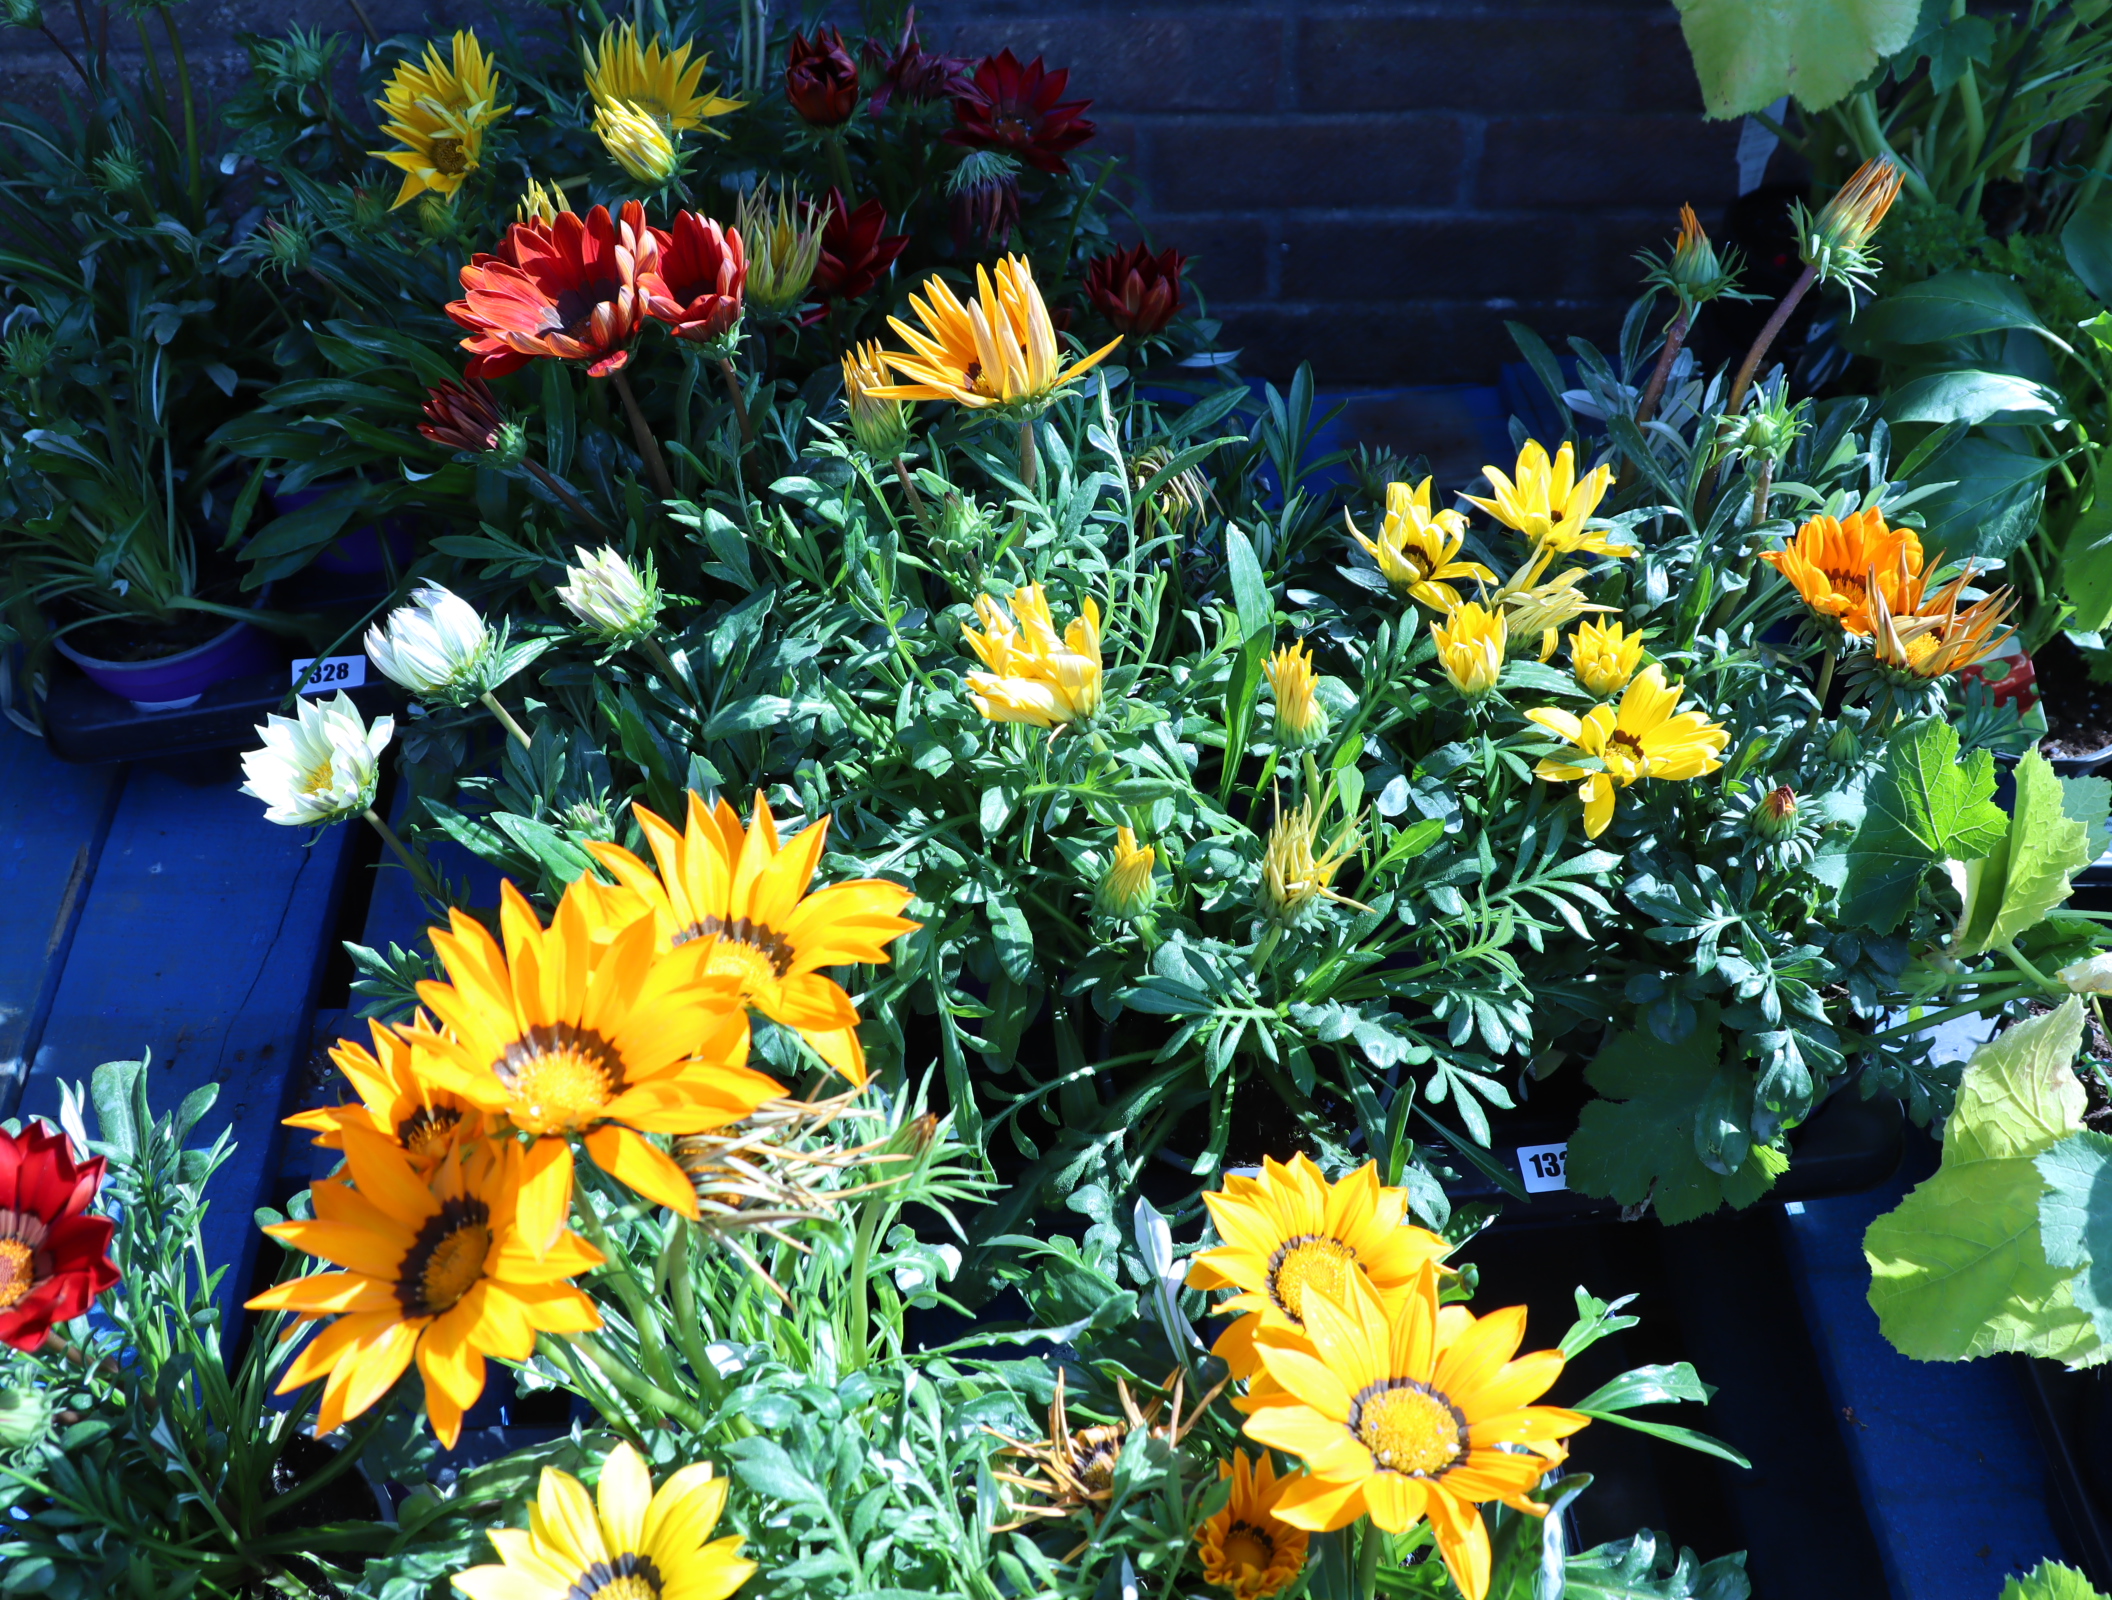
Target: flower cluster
<point>622,1023</point>
<point>1399,1412</point>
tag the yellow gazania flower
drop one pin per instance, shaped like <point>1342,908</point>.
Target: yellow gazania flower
<point>1292,875</point>
<point>1540,611</point>
<point>781,230</point>
<point>1416,548</point>
<point>1643,739</point>
<point>1470,642</point>
<point>438,1270</point>
<point>640,145</point>
<point>661,83</point>
<point>439,109</point>
<point>1034,676</point>
<point>579,1031</point>
<point>1549,503</point>
<point>1398,1409</point>
<point>881,426</point>
<point>740,887</point>
<point>1126,888</point>
<point>1834,562</point>
<point>427,1123</point>
<point>1937,638</point>
<point>625,1542</point>
<point>1300,718</point>
<point>1605,656</point>
<point>540,203</point>
<point>1291,1231</point>
<point>1244,1549</point>
<point>999,349</point>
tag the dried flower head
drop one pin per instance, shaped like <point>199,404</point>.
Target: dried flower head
<point>1295,873</point>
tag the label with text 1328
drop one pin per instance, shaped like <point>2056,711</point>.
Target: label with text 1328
<point>331,673</point>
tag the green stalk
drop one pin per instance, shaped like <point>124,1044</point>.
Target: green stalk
<point>416,868</point>
<point>1369,1542</point>
<point>1985,1003</point>
<point>638,1387</point>
<point>652,1343</point>
<point>839,164</point>
<point>857,1334</point>
<point>190,113</point>
<point>490,703</point>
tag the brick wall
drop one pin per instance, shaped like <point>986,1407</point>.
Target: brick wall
<point>1374,187</point>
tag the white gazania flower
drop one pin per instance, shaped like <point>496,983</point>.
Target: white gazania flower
<point>609,596</point>
<point>319,765</point>
<point>436,647</point>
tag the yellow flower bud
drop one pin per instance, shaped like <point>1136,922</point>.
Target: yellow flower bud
<point>1605,657</point>
<point>1470,647</point>
<point>1126,888</point>
<point>1300,719</point>
<point>640,145</point>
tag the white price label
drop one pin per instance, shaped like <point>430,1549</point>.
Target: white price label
<point>331,673</point>
<point>1542,1167</point>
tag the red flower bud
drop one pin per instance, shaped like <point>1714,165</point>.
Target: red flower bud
<point>462,416</point>
<point>1135,290</point>
<point>821,79</point>
<point>697,284</point>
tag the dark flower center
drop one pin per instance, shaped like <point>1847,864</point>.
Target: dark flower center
<point>446,1258</point>
<point>448,157</point>
<point>627,1577</point>
<point>773,946</point>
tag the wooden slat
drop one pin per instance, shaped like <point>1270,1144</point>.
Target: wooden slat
<point>53,817</point>
<point>202,941</point>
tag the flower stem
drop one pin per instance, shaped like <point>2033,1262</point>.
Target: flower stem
<point>1762,485</point>
<point>491,704</point>
<point>1753,357</point>
<point>642,435</point>
<point>1029,457</point>
<point>641,1389</point>
<point>1369,1545</point>
<point>572,502</point>
<point>411,864</point>
<point>190,111</point>
<point>1654,390</point>
<point>1825,687</point>
<point>739,399</point>
<point>367,23</point>
<point>839,165</point>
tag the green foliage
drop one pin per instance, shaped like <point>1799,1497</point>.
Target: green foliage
<point>1748,56</point>
<point>2049,1580</point>
<point>1960,1268</point>
<point>1924,806</point>
<point>2075,1221</point>
<point>2025,876</point>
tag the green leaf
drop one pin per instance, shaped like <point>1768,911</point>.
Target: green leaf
<point>1637,1143</point>
<point>2086,563</point>
<point>1958,1268</point>
<point>2049,1580</point>
<point>1972,396</point>
<point>1923,806</point>
<point>2075,1220</point>
<point>2087,242</point>
<point>1257,616</point>
<point>1640,1568</point>
<point>1647,1386</point>
<point>1673,1433</point>
<point>1951,305</point>
<point>2089,801</point>
<point>2013,886</point>
<point>1991,502</point>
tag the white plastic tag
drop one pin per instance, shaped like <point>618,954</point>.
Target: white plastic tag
<point>1542,1166</point>
<point>332,673</point>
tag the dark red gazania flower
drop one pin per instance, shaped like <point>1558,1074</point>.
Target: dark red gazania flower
<point>856,249</point>
<point>54,1258</point>
<point>985,210</point>
<point>821,79</point>
<point>1135,290</point>
<point>1020,110</point>
<point>912,72</point>
<point>462,416</point>
<point>566,290</point>
<point>699,278</point>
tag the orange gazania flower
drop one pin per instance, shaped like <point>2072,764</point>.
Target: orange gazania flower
<point>566,290</point>
<point>425,1122</point>
<point>743,889</point>
<point>1833,563</point>
<point>583,1031</point>
<point>1931,639</point>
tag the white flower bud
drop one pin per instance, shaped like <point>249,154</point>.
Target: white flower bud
<point>2092,976</point>
<point>319,765</point>
<point>437,646</point>
<point>609,596</point>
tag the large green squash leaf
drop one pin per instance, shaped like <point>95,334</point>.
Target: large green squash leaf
<point>1922,807</point>
<point>2015,884</point>
<point>1749,53</point>
<point>1640,1142</point>
<point>2049,1580</point>
<point>1959,1268</point>
<point>2075,1220</point>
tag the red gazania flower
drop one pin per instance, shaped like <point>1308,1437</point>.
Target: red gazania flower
<point>566,290</point>
<point>856,249</point>
<point>54,1259</point>
<point>1135,290</point>
<point>912,72</point>
<point>1019,109</point>
<point>462,416</point>
<point>821,79</point>
<point>696,285</point>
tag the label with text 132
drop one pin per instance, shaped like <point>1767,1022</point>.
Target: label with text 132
<point>1543,1167</point>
